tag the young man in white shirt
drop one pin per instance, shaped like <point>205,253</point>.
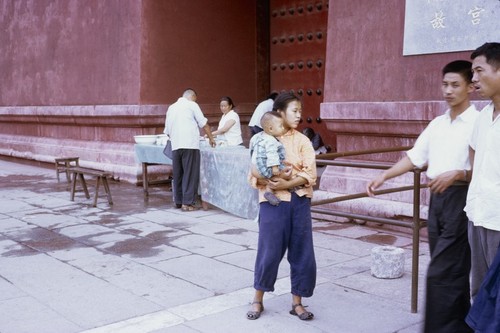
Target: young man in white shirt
<point>483,199</point>
<point>443,147</point>
<point>263,107</point>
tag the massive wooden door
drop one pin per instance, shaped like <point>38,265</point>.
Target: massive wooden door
<point>297,58</point>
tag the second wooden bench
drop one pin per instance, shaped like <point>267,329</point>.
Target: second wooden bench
<point>79,172</point>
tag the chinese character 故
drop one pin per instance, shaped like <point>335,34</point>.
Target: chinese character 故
<point>438,21</point>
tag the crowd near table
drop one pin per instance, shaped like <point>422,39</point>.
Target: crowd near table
<point>223,176</point>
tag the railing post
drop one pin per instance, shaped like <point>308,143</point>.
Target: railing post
<point>328,159</point>
<point>416,240</point>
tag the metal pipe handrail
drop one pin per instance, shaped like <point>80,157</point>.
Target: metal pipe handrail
<point>415,225</point>
<point>355,164</point>
<point>364,152</point>
<point>354,216</point>
<point>363,195</point>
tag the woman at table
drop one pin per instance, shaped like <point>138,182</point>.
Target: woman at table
<point>288,226</point>
<point>229,129</point>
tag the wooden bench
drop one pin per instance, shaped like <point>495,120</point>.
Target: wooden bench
<point>63,164</point>
<point>78,172</point>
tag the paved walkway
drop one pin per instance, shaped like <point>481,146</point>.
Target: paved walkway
<point>144,266</point>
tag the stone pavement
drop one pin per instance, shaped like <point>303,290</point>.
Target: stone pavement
<point>144,266</point>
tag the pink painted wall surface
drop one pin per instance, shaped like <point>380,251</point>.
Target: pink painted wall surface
<point>209,46</point>
<point>375,97</point>
<point>365,61</point>
<point>81,76</point>
<point>60,52</point>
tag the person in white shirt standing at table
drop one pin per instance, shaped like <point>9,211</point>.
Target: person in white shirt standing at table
<point>229,128</point>
<point>483,200</point>
<point>182,123</point>
<point>263,107</point>
<point>443,147</point>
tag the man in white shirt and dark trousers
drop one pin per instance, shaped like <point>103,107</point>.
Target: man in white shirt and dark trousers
<point>443,147</point>
<point>182,123</point>
<point>483,200</point>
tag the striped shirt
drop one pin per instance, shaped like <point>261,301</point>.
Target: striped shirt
<point>301,157</point>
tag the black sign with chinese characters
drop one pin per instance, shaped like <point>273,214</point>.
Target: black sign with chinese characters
<point>439,26</point>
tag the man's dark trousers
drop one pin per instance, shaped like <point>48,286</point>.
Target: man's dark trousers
<point>186,174</point>
<point>448,289</point>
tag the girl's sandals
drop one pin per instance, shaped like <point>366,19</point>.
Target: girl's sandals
<point>252,315</point>
<point>306,315</point>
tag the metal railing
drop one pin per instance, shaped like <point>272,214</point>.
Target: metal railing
<point>416,223</point>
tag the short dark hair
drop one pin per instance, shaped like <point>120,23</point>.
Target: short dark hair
<point>282,100</point>
<point>228,100</point>
<point>267,117</point>
<point>272,95</point>
<point>309,132</point>
<point>462,67</point>
<point>491,51</point>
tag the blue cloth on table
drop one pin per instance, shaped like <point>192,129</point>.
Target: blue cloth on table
<point>224,181</point>
<point>223,177</point>
<point>484,315</point>
<point>151,154</point>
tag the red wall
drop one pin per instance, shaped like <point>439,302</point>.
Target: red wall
<point>60,52</point>
<point>102,52</point>
<point>365,62</point>
<point>209,45</point>
<point>84,76</point>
